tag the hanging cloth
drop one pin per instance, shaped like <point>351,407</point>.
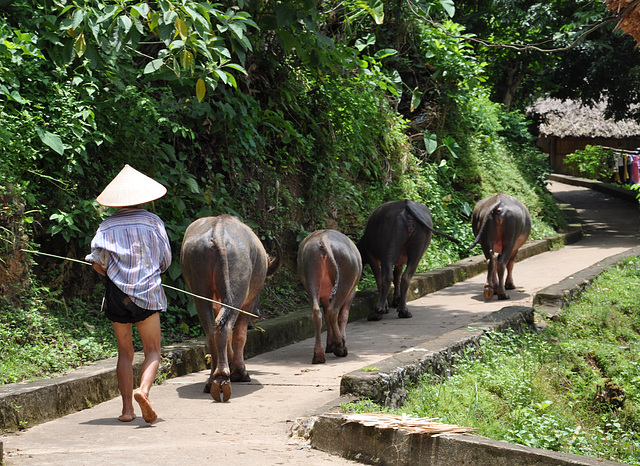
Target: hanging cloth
<point>626,168</point>
<point>619,163</point>
<point>635,168</point>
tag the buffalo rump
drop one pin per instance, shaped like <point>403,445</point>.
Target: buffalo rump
<point>223,260</point>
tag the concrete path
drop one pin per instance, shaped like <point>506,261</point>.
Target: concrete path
<point>254,426</point>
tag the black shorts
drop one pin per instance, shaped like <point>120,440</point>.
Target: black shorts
<point>120,308</point>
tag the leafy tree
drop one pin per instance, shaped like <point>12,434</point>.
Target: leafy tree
<point>559,48</point>
<point>293,115</point>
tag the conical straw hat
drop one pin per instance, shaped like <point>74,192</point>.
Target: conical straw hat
<point>130,187</point>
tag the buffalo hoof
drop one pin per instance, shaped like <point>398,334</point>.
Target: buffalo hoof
<point>374,316</point>
<point>503,296</point>
<point>240,376</point>
<point>509,286</point>
<point>488,293</point>
<point>342,352</point>
<point>318,358</point>
<point>207,388</point>
<point>221,386</point>
<point>340,349</point>
<point>404,314</point>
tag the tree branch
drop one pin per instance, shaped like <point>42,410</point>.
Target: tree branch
<point>520,47</point>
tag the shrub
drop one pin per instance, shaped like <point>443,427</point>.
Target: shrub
<point>593,162</point>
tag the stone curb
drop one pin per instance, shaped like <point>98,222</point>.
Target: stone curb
<point>387,383</point>
<point>334,434</point>
<point>552,300</point>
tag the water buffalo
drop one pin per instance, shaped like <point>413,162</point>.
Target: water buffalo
<point>329,266</point>
<point>502,225</point>
<point>397,234</point>
<point>222,259</point>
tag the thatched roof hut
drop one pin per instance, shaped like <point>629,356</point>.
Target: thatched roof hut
<point>567,126</point>
<point>629,13</point>
<point>567,118</point>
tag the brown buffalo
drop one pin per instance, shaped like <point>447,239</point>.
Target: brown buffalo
<point>329,266</point>
<point>502,225</point>
<point>397,234</point>
<point>223,260</point>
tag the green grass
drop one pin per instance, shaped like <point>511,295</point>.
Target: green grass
<point>43,335</point>
<point>574,387</point>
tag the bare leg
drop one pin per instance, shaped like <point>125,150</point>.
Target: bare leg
<point>124,369</point>
<point>150,334</point>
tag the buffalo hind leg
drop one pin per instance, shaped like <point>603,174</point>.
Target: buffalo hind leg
<point>381,307</point>
<point>238,370</point>
<point>397,274</point>
<point>316,317</point>
<point>343,318</point>
<point>405,282</point>
<point>490,287</point>
<point>335,339</point>
<point>509,284</point>
<point>502,294</point>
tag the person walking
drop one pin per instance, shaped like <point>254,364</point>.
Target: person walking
<point>131,249</point>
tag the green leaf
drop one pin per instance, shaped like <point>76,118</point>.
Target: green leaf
<point>201,89</point>
<point>187,61</point>
<point>76,19</point>
<point>222,75</point>
<point>80,45</point>
<point>193,185</point>
<point>287,40</point>
<point>416,98</point>
<point>449,7</point>
<point>153,65</point>
<point>12,95</point>
<point>125,23</point>
<point>361,44</point>
<point>52,140</point>
<point>174,270</point>
<point>191,308</point>
<point>182,29</point>
<point>284,15</point>
<point>430,142</point>
<point>236,67</point>
<point>374,7</point>
<point>384,53</point>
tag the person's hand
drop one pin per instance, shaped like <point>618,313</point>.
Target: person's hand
<point>98,268</point>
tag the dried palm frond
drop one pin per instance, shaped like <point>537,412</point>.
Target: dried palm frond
<point>412,425</point>
<point>629,13</point>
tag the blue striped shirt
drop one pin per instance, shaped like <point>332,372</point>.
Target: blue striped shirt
<point>133,247</point>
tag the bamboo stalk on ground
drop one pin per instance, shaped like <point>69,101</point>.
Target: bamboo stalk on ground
<point>413,425</point>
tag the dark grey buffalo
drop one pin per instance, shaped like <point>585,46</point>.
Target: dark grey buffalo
<point>502,225</point>
<point>223,260</point>
<point>329,266</point>
<point>397,234</point>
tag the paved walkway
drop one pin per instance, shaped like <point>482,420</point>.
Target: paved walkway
<point>254,426</point>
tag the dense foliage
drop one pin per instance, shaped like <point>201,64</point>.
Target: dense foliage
<point>567,50</point>
<point>593,162</point>
<point>574,387</point>
<point>293,115</point>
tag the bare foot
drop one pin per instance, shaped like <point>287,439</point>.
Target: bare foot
<point>126,417</point>
<point>148,414</point>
